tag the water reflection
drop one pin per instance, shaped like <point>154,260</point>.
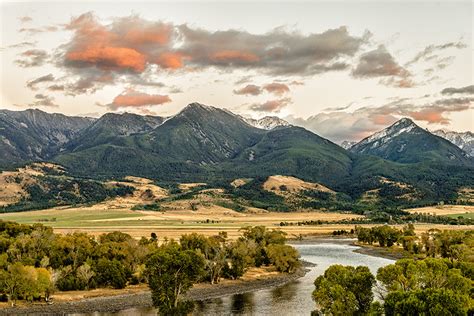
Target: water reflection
<point>243,304</point>
<point>293,298</point>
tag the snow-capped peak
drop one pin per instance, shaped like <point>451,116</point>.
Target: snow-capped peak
<point>267,122</point>
<point>402,126</point>
<point>465,140</point>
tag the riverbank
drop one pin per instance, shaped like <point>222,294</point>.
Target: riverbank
<point>369,250</point>
<point>141,297</point>
<point>381,252</point>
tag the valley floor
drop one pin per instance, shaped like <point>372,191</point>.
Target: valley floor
<point>103,218</point>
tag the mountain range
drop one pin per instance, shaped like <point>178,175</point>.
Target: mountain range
<point>204,143</point>
<point>465,140</point>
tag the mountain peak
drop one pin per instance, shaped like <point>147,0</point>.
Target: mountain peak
<point>199,106</point>
<point>267,122</point>
<point>404,122</point>
<point>406,142</point>
<point>402,126</point>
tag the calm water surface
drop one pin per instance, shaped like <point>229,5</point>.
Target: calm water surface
<point>293,298</point>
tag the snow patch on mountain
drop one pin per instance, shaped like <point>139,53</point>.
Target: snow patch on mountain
<point>267,122</point>
<point>465,140</point>
<point>347,144</point>
<point>383,137</point>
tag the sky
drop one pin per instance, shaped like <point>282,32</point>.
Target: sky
<point>343,69</point>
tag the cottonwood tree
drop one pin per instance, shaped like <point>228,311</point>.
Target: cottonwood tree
<point>344,290</point>
<point>171,271</point>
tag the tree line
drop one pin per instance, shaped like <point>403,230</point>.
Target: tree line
<point>451,244</point>
<point>175,267</point>
<point>35,262</point>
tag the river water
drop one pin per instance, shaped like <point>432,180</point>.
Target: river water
<point>293,298</point>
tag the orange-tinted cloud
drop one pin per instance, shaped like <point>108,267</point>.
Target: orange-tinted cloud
<point>169,60</point>
<point>159,34</point>
<point>249,89</point>
<point>134,99</point>
<point>127,44</point>
<point>431,116</point>
<point>225,56</point>
<point>277,88</point>
<point>109,58</point>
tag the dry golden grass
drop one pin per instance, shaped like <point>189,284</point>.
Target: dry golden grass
<point>292,184</point>
<point>189,186</point>
<point>466,194</point>
<point>12,183</point>
<point>293,232</point>
<point>443,209</point>
<point>239,182</point>
<point>145,192</point>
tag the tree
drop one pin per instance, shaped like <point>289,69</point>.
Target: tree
<point>284,257</point>
<point>344,290</point>
<point>171,271</point>
<point>111,272</point>
<point>262,238</point>
<point>425,287</point>
<point>13,281</point>
<point>426,302</point>
<point>241,254</point>
<point>84,274</point>
<point>409,275</point>
<point>45,283</point>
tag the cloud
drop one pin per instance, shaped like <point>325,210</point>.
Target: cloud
<point>463,90</point>
<point>42,100</point>
<point>32,83</point>
<point>56,87</point>
<point>133,46</point>
<point>428,52</point>
<point>380,63</point>
<point>134,99</point>
<point>435,113</point>
<point>23,44</point>
<point>128,44</point>
<point>271,106</point>
<point>35,30</point>
<point>276,88</point>
<point>360,123</point>
<point>275,52</point>
<point>297,83</point>
<point>25,19</point>
<point>250,89</point>
<point>108,58</point>
<point>32,58</point>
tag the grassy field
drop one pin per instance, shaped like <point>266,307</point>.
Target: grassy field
<point>102,218</point>
<point>464,215</point>
<point>98,219</point>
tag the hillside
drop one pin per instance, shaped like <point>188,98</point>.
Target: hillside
<point>33,135</point>
<point>111,128</point>
<point>406,142</point>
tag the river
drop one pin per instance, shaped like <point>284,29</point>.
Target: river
<point>293,298</point>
